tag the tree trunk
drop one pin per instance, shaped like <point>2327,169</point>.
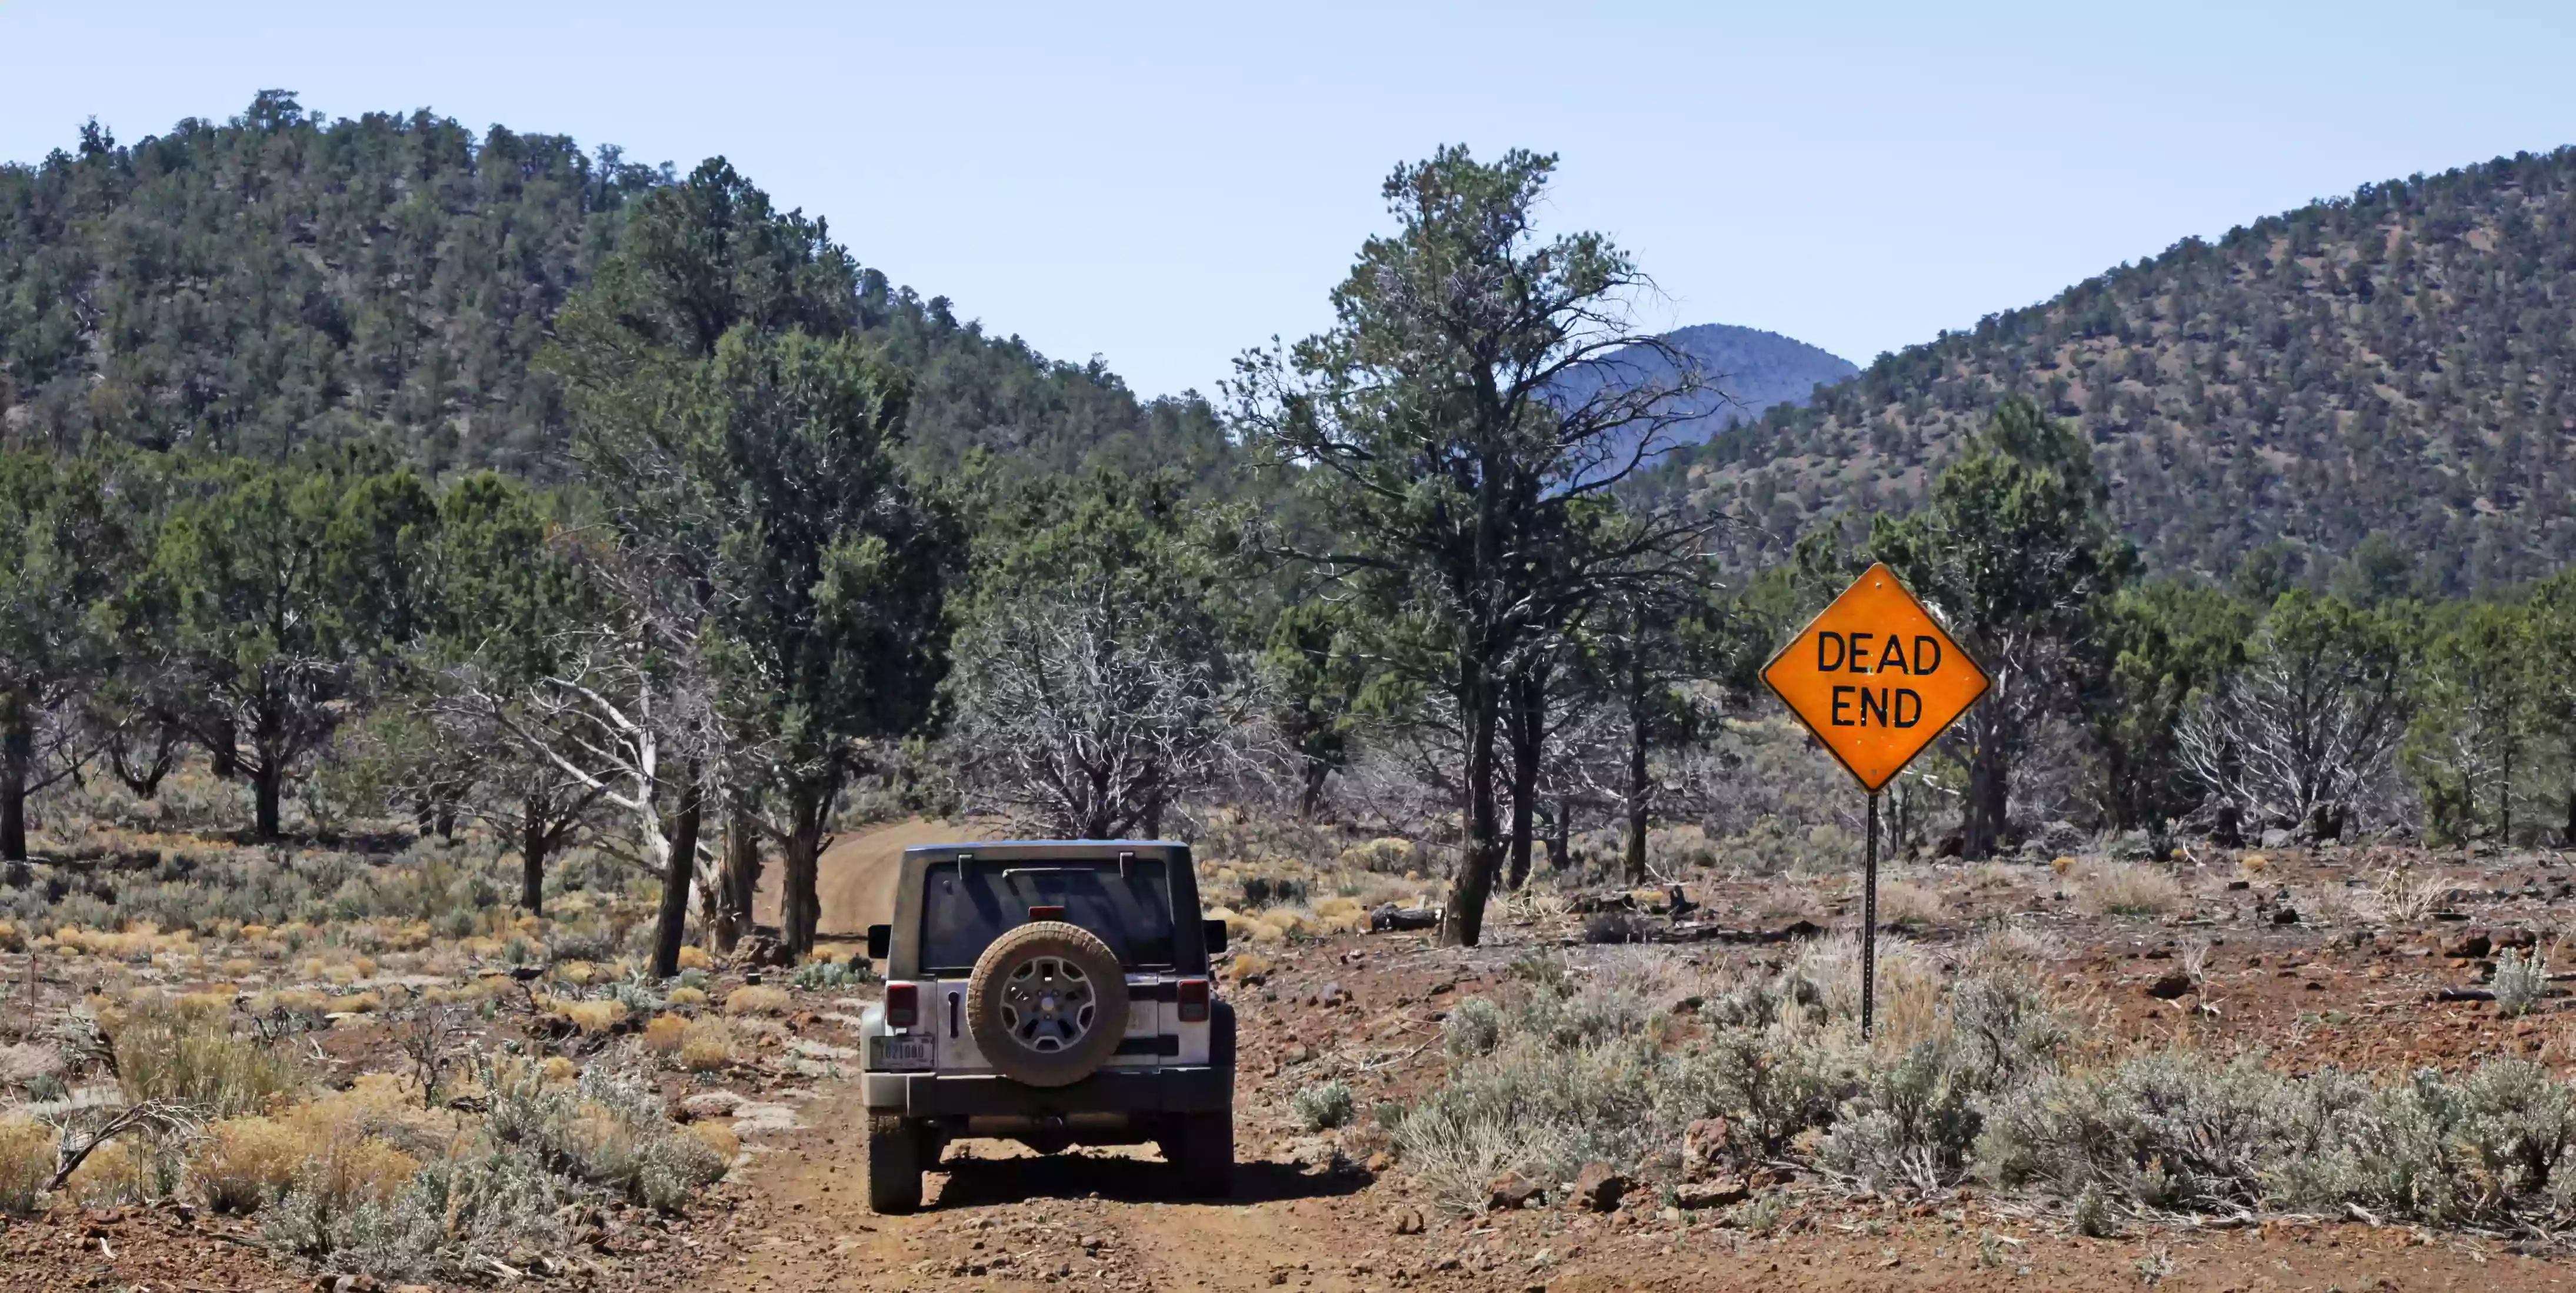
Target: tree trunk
<point>17,751</point>
<point>802,909</point>
<point>1639,789</point>
<point>1560,835</point>
<point>532,856</point>
<point>738,881</point>
<point>264,782</point>
<point>1311,797</point>
<point>2504,802</point>
<point>1463,923</point>
<point>1981,825</point>
<point>1528,729</point>
<point>679,870</point>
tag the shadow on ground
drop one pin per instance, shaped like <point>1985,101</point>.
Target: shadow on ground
<point>974,1181</point>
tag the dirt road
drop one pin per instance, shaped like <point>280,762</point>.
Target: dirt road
<point>1307,1217</point>
<point>855,878</point>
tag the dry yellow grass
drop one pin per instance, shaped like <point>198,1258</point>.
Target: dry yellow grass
<point>2128,889</point>
<point>717,1137</point>
<point>166,1053</point>
<point>578,973</point>
<point>1245,965</point>
<point>588,1016</point>
<point>356,1003</point>
<point>294,1001</point>
<point>137,944</point>
<point>351,1168</point>
<point>116,1173</point>
<point>1341,915</point>
<point>687,997</point>
<point>1905,904</point>
<point>1909,987</point>
<point>759,999</point>
<point>204,1005</point>
<point>706,1045</point>
<point>1387,853</point>
<point>694,957</point>
<point>244,1163</point>
<point>2253,865</point>
<point>26,1163</point>
<point>559,1069</point>
<point>664,1034</point>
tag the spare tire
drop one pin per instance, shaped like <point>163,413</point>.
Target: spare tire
<point>1047,1003</point>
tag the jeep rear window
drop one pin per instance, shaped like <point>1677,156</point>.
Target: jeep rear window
<point>966,904</point>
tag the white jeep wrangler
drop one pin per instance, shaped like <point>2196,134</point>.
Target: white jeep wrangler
<point>1050,992</point>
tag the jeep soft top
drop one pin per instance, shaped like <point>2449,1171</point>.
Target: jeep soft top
<point>1054,992</point>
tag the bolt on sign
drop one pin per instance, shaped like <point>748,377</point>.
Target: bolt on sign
<point>1875,677</point>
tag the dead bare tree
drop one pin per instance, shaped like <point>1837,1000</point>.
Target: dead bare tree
<point>520,788</point>
<point>2309,724</point>
<point>625,719</point>
<point>1088,721</point>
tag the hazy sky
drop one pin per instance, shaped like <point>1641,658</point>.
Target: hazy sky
<point>1163,186</point>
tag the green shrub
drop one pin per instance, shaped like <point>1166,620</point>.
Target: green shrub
<point>830,976</point>
<point>1324,1105</point>
<point>1474,1027</point>
<point>2519,983</point>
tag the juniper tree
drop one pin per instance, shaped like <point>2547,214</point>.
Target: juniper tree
<point>2015,549</point>
<point>64,547</point>
<point>1446,426</point>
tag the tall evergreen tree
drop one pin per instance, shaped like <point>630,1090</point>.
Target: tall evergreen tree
<point>284,589</point>
<point>1435,425</point>
<point>65,543</point>
<point>2016,549</point>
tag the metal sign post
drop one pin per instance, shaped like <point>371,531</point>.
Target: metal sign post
<point>1875,678</point>
<point>1869,925</point>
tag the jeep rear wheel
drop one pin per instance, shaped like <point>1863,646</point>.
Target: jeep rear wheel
<point>1203,1152</point>
<point>894,1165</point>
<point>1047,1003</point>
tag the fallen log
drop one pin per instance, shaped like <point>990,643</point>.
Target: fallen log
<point>1392,917</point>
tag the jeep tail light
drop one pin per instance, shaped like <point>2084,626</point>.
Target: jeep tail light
<point>1193,998</point>
<point>903,1005</point>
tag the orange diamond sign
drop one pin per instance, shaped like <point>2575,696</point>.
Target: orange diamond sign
<point>1875,677</point>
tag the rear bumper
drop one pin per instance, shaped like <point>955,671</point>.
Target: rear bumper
<point>1129,1091</point>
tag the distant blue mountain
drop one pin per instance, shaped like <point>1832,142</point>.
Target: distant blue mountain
<point>1746,371</point>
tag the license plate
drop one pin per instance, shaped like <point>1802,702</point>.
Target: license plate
<point>892,1054</point>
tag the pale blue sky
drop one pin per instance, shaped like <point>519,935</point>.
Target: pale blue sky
<point>1163,186</point>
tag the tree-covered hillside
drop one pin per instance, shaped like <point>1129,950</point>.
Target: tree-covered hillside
<point>283,279</point>
<point>2399,362</point>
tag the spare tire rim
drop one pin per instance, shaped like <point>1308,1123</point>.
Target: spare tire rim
<point>1048,1004</point>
